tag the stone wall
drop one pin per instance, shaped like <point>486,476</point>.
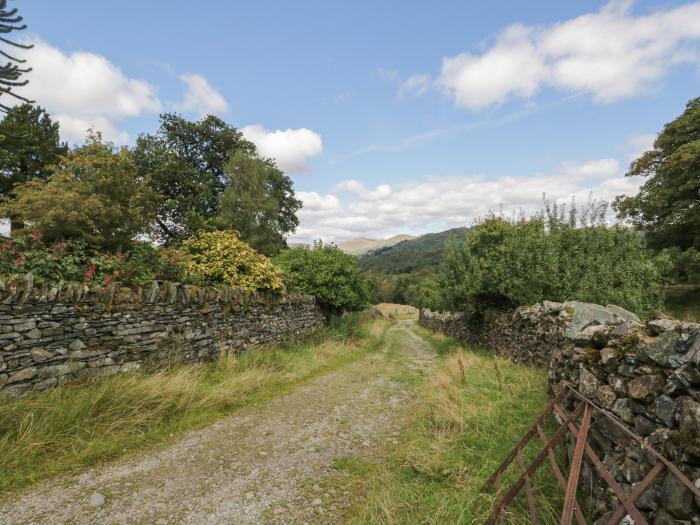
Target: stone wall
<point>57,334</point>
<point>648,375</point>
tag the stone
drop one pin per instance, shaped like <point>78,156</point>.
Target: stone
<point>661,517</point>
<point>33,334</point>
<point>659,326</point>
<point>606,396</point>
<point>660,349</point>
<point>689,417</point>
<point>586,314</point>
<point>22,375</point>
<point>688,375</point>
<point>622,408</point>
<point>643,426</point>
<point>594,336</point>
<point>664,408</point>
<point>77,345</point>
<point>588,383</point>
<point>40,354</point>
<point>675,497</point>
<point>96,499</point>
<point>609,356</point>
<point>646,387</point>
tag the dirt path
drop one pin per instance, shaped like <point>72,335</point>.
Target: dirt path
<point>267,464</point>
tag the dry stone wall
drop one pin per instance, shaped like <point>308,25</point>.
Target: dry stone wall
<point>647,374</point>
<point>50,335</point>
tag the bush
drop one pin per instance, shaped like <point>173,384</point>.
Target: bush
<point>326,272</point>
<point>215,258</point>
<point>506,263</point>
<point>75,261</point>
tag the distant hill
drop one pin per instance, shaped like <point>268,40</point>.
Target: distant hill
<point>419,253</point>
<point>362,245</point>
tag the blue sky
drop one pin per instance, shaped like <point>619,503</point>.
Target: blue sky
<point>391,117</point>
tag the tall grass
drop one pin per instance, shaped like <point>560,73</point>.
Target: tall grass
<point>74,426</point>
<point>474,408</point>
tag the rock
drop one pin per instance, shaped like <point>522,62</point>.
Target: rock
<point>621,313</point>
<point>622,408</point>
<point>77,345</point>
<point>606,396</point>
<point>675,497</point>
<point>594,336</point>
<point>588,383</point>
<point>649,500</point>
<point>646,387</point>
<point>643,426</point>
<point>22,375</point>
<point>689,417</point>
<point>661,517</point>
<point>688,375</point>
<point>664,408</point>
<point>552,307</point>
<point>586,314</point>
<point>609,356</point>
<point>661,349</point>
<point>40,354</point>
<point>659,326</point>
<point>96,499</point>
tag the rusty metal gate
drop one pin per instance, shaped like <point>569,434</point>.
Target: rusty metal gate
<point>569,424</point>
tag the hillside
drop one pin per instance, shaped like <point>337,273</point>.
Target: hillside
<point>420,253</point>
<point>362,245</point>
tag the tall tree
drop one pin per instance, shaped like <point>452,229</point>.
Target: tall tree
<point>667,206</point>
<point>185,163</point>
<point>34,156</point>
<point>11,73</point>
<point>95,194</point>
<point>258,202</point>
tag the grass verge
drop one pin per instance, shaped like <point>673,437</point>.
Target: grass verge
<point>76,426</point>
<point>474,407</point>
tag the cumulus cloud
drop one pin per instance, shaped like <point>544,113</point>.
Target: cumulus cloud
<point>86,90</point>
<point>201,98</point>
<point>436,203</point>
<point>290,148</point>
<point>611,54</point>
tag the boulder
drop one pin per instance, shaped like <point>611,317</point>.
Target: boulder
<point>675,497</point>
<point>586,314</point>
<point>660,349</point>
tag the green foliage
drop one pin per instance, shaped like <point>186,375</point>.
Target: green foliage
<point>420,289</point>
<point>423,253</point>
<point>506,263</point>
<point>212,258</point>
<point>41,149</point>
<point>667,207</point>
<point>258,202</point>
<point>75,261</point>
<point>94,194</point>
<point>326,272</point>
<point>185,163</point>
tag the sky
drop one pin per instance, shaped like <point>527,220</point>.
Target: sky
<point>393,116</point>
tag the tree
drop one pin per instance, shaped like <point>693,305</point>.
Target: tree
<point>34,156</point>
<point>258,202</point>
<point>185,164</point>
<point>220,257</point>
<point>507,263</point>
<point>326,272</point>
<point>94,194</point>
<point>667,206</point>
<point>10,75</point>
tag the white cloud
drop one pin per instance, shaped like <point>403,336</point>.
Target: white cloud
<point>201,98</point>
<point>436,203</point>
<point>85,90</point>
<point>611,54</point>
<point>639,144</point>
<point>416,85</point>
<point>291,148</point>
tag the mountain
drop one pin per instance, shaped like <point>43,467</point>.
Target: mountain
<point>361,246</point>
<point>412,255</point>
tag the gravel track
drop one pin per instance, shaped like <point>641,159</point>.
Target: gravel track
<point>266,464</point>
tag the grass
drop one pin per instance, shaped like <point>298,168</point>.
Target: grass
<point>683,302</point>
<point>76,426</point>
<point>474,407</point>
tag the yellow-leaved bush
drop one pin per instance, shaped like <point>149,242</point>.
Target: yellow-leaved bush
<point>220,257</point>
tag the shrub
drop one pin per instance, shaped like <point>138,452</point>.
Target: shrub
<point>213,258</point>
<point>506,263</point>
<point>75,261</point>
<point>325,271</point>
